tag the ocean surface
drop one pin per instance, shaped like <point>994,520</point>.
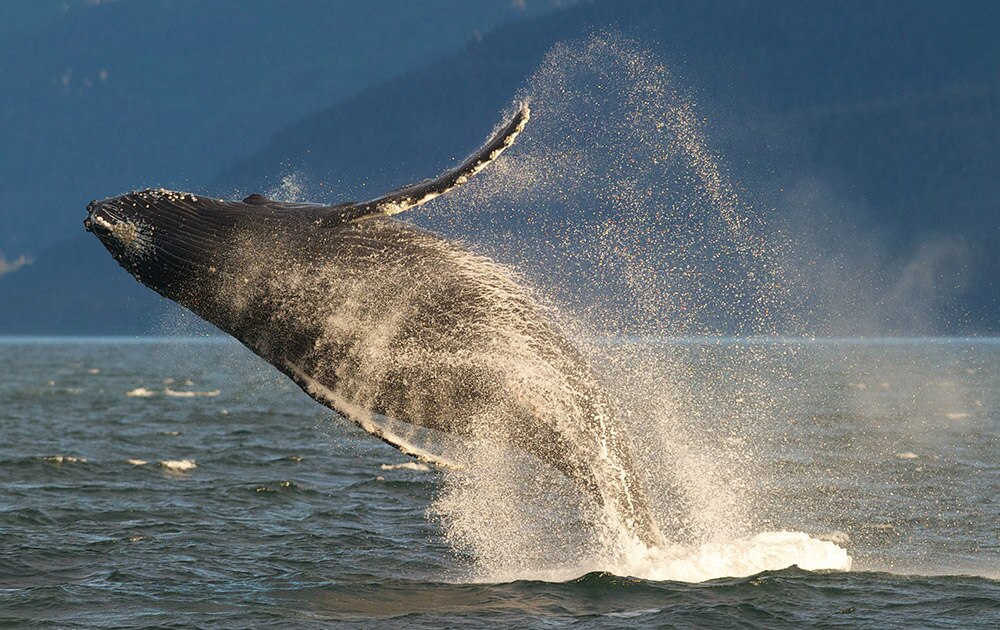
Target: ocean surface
<point>183,483</point>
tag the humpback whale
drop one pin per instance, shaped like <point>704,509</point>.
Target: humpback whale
<point>379,320</point>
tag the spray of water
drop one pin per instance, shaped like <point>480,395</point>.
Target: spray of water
<point>615,208</point>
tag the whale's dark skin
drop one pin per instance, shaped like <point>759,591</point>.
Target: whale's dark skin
<point>373,317</point>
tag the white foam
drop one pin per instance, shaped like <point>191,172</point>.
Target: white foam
<point>179,465</point>
<point>406,466</point>
<point>136,462</point>
<point>62,459</point>
<point>630,614</point>
<point>766,551</point>
<point>190,394</point>
<point>140,392</point>
<point>907,455</point>
<point>837,537</point>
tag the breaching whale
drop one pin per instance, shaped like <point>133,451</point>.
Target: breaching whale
<point>378,320</point>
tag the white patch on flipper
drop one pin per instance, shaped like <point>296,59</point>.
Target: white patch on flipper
<point>363,418</point>
<point>397,206</point>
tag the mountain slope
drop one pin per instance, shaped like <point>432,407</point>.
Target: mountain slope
<point>855,121</point>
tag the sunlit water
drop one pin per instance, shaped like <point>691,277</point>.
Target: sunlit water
<point>183,482</point>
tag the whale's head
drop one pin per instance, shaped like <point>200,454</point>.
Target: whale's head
<point>167,240</point>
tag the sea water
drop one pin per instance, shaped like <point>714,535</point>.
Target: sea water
<point>169,481</point>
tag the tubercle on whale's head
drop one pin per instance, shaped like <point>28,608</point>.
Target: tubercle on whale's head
<point>156,235</point>
<point>119,227</point>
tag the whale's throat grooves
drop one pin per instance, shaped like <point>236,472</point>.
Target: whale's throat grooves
<point>377,318</point>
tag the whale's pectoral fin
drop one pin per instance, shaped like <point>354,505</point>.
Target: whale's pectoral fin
<point>413,195</point>
<point>360,416</point>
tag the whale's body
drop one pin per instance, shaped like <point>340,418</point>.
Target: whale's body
<point>378,319</point>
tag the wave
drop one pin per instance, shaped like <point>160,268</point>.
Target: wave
<point>178,465</point>
<point>173,393</point>
<point>406,466</point>
<point>62,459</point>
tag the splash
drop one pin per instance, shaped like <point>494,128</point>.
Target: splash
<point>767,551</point>
<point>292,188</point>
<point>615,207</point>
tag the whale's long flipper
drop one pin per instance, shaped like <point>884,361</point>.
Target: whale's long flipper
<point>413,195</point>
<point>362,417</point>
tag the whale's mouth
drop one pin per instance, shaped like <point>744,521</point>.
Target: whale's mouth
<point>100,220</point>
<point>107,223</point>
